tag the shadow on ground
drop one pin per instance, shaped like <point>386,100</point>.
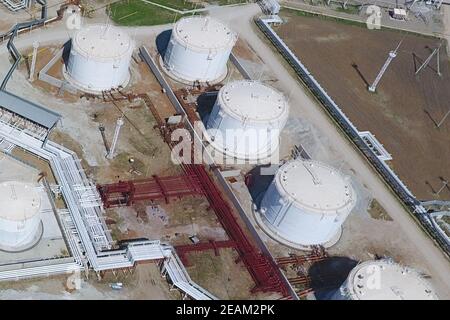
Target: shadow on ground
<point>162,40</point>
<point>328,275</point>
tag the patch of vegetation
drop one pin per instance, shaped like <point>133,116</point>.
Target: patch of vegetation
<point>377,211</point>
<point>116,234</point>
<point>122,165</point>
<point>350,9</point>
<point>139,13</point>
<point>179,4</point>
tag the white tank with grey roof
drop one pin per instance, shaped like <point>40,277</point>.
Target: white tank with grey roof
<point>246,120</point>
<point>306,204</point>
<point>385,280</point>
<point>99,58</point>
<point>199,49</point>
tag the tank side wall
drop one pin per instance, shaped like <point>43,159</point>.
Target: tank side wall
<point>14,233</point>
<point>98,75</point>
<point>295,224</point>
<point>192,65</point>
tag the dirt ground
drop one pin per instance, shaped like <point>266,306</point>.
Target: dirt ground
<point>404,111</point>
<point>221,275</point>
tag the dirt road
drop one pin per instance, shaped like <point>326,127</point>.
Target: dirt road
<point>303,104</point>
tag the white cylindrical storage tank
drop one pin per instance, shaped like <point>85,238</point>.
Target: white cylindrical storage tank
<point>198,50</point>
<point>99,58</point>
<point>385,280</point>
<point>20,223</point>
<point>306,204</point>
<point>247,119</point>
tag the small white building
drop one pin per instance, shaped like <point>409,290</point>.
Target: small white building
<point>198,50</point>
<point>385,280</point>
<point>399,14</point>
<point>99,58</point>
<point>20,223</point>
<point>306,204</point>
<point>246,120</point>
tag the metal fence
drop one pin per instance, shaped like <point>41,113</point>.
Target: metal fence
<point>414,206</point>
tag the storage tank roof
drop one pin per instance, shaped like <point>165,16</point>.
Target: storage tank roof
<point>396,282</point>
<point>18,200</point>
<point>204,33</point>
<point>253,101</point>
<point>102,41</point>
<point>315,186</point>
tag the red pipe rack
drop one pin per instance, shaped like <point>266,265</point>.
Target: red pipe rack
<point>263,270</point>
<point>182,250</point>
<point>125,193</point>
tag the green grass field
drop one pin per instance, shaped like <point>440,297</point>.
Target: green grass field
<point>179,4</point>
<point>139,13</point>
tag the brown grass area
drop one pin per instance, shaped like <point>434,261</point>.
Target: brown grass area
<point>221,275</point>
<point>402,112</point>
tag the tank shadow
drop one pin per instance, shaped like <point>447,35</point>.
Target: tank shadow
<point>205,104</point>
<point>66,52</point>
<point>328,275</point>
<point>258,180</point>
<point>162,40</point>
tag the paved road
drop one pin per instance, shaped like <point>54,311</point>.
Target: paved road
<point>301,103</point>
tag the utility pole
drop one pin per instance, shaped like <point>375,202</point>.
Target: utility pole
<point>427,61</point>
<point>443,119</point>
<point>444,184</point>
<point>119,124</point>
<point>33,60</point>
<point>391,56</point>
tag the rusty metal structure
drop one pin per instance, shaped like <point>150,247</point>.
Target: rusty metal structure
<point>125,193</point>
<point>183,250</point>
<point>317,254</point>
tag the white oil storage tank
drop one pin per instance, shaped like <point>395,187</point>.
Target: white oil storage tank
<point>99,58</point>
<point>20,223</point>
<point>246,120</point>
<point>306,204</point>
<point>198,50</point>
<point>385,280</point>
